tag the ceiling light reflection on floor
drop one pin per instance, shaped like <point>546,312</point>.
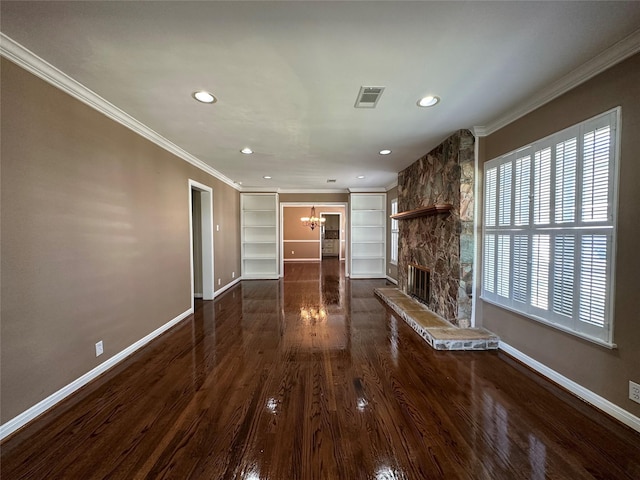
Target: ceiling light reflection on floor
<point>385,472</point>
<point>312,316</point>
<point>272,405</point>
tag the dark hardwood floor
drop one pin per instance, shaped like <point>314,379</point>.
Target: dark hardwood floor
<point>312,377</point>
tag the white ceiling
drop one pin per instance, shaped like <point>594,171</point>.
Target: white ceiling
<point>287,73</point>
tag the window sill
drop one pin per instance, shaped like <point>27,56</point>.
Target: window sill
<point>597,341</point>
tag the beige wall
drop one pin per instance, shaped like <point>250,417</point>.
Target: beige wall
<point>603,371</point>
<point>95,238</point>
<point>392,269</point>
<point>304,242</point>
<point>316,198</point>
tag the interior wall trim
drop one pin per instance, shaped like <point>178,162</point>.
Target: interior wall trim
<point>581,392</point>
<point>221,290</point>
<point>313,190</point>
<point>25,58</point>
<point>368,190</point>
<point>392,280</point>
<point>41,407</point>
<point>618,52</point>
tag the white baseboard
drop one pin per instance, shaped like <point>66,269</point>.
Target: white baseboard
<point>302,260</point>
<point>226,287</point>
<point>38,409</point>
<point>392,280</point>
<point>588,396</point>
<point>197,295</point>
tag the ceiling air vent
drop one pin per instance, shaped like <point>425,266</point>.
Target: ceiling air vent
<point>331,180</point>
<point>368,97</point>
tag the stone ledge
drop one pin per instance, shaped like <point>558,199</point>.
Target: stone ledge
<point>435,330</point>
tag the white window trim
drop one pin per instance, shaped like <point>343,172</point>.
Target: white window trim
<point>604,335</point>
<point>393,257</point>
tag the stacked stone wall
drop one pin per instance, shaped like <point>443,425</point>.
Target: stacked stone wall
<point>444,242</point>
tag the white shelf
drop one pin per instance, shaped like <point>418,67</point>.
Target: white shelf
<point>259,235</point>
<point>368,235</point>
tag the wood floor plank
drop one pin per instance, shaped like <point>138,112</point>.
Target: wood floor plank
<point>311,377</point>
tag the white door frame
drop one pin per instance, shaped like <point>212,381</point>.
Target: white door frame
<point>206,219</point>
<point>317,205</point>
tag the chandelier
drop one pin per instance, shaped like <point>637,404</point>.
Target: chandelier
<point>312,221</point>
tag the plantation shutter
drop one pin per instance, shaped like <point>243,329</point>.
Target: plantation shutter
<point>490,199</point>
<point>542,186</point>
<point>563,274</point>
<point>549,228</point>
<point>593,279</point>
<point>566,156</point>
<point>595,175</point>
<point>522,190</point>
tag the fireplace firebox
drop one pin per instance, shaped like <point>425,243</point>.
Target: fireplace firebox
<point>418,280</point>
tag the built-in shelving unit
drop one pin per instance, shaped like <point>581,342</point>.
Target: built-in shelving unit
<point>259,235</point>
<point>425,211</point>
<point>368,235</point>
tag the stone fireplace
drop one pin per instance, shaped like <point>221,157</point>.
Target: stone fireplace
<point>442,242</point>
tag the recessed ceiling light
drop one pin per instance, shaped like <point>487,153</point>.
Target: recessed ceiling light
<point>204,96</point>
<point>267,177</point>
<point>386,151</point>
<point>246,151</point>
<point>360,177</point>
<point>429,101</point>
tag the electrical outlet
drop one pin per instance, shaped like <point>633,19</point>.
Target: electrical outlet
<point>233,274</point>
<point>217,228</point>
<point>99,348</point>
<point>219,280</point>
<point>634,391</point>
<point>292,252</point>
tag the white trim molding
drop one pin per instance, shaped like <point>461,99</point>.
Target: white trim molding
<point>578,390</point>
<point>41,407</point>
<point>221,290</point>
<point>368,190</point>
<point>392,280</point>
<point>391,185</point>
<point>31,62</point>
<point>313,190</point>
<point>618,52</point>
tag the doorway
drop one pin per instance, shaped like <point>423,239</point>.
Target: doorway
<point>201,240</point>
<point>331,235</point>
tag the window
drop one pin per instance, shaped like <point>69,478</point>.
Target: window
<point>394,232</point>
<point>549,228</point>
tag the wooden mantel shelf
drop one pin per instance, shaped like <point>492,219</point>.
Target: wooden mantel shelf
<point>423,211</point>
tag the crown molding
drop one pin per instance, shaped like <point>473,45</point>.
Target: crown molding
<point>291,190</point>
<point>618,52</point>
<point>25,58</point>
<point>479,131</point>
<point>316,190</point>
<point>394,184</point>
